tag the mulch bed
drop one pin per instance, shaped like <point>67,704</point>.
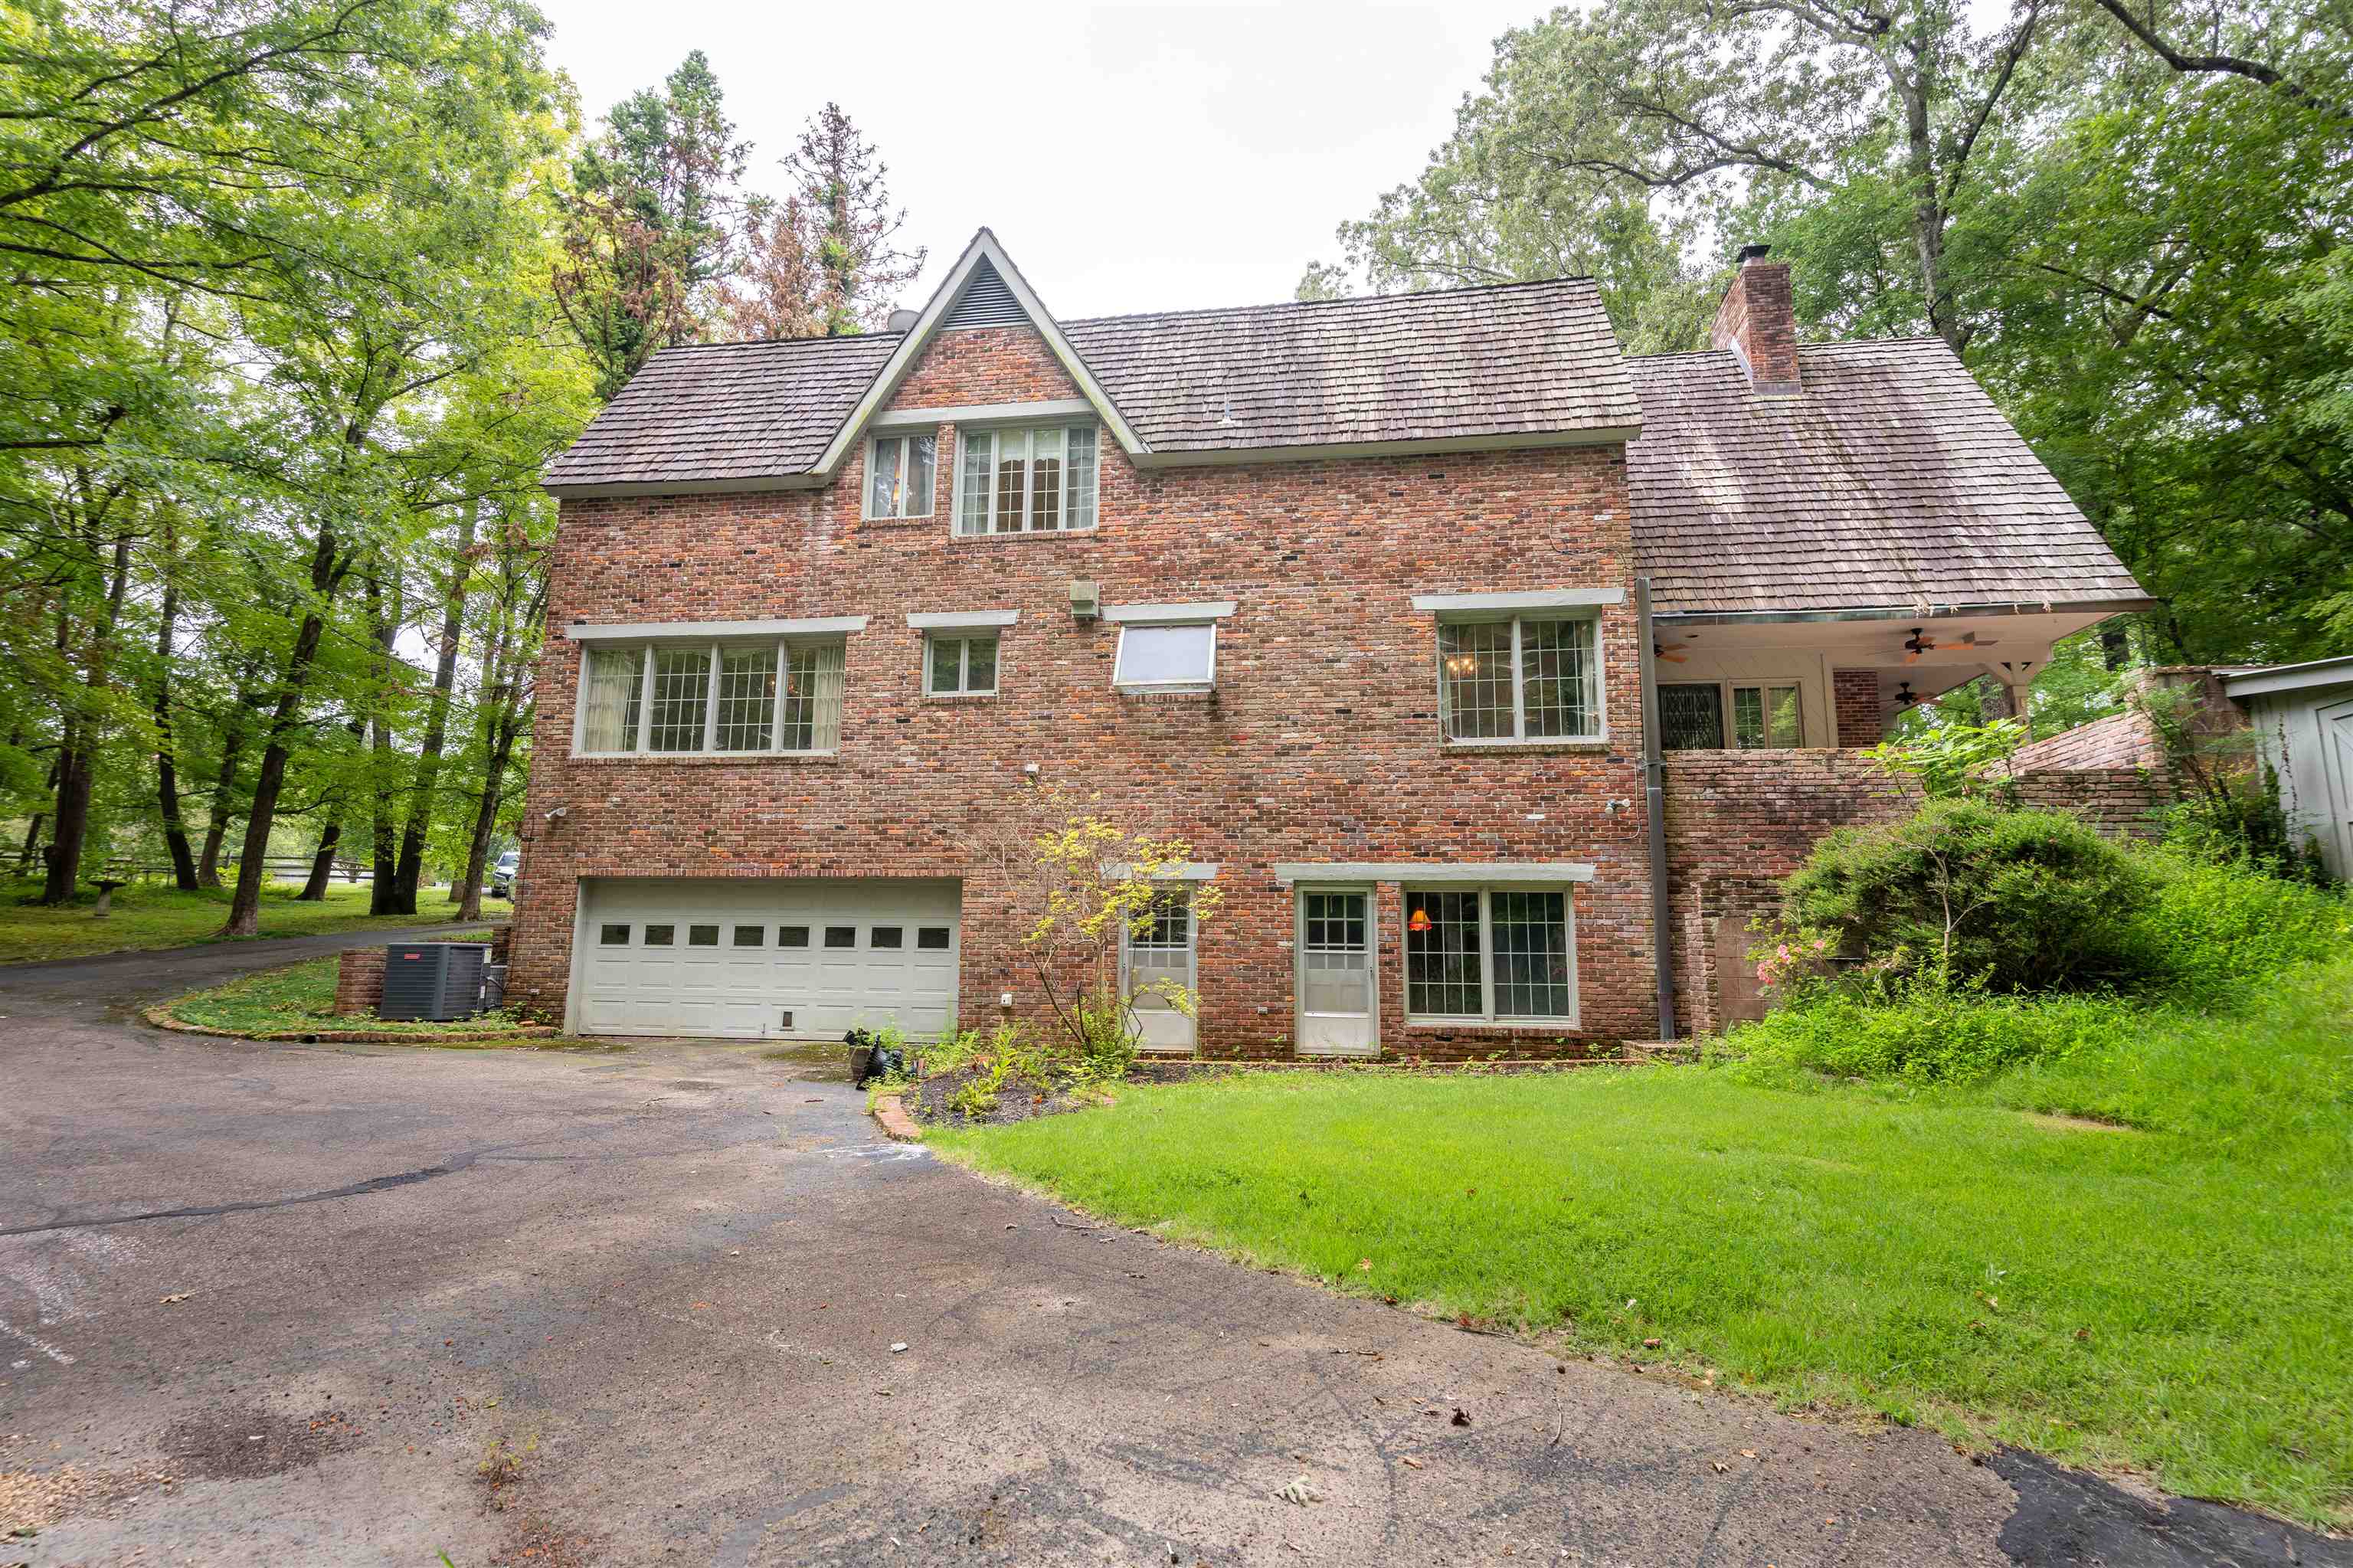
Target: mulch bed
<point>1019,1100</point>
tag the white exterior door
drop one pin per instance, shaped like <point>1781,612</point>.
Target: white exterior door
<point>1338,1010</point>
<point>1153,961</point>
<point>766,958</point>
<point>2336,765</point>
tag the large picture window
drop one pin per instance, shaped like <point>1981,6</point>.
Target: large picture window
<point>686,697</point>
<point>1520,679</point>
<point>1026,481</point>
<point>1490,954</point>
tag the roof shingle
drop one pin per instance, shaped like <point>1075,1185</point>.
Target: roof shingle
<point>723,412</point>
<point>1522,359</point>
<point>1893,482</point>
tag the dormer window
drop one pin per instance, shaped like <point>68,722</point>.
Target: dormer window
<point>1026,481</point>
<point>899,475</point>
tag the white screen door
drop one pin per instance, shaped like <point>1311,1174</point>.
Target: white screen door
<point>1335,981</point>
<point>1157,959</point>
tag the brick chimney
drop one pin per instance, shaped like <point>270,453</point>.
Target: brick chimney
<point>1757,323</point>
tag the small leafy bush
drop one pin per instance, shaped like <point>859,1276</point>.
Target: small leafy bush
<point>2016,901</point>
<point>1922,1032</point>
<point>2217,927</point>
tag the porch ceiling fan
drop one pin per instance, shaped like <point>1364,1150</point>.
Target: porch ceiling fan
<point>1921,642</point>
<point>1669,655</point>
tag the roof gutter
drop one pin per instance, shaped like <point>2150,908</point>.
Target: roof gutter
<point>1654,811</point>
<point>1921,611</point>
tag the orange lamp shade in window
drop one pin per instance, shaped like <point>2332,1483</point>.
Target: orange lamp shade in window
<point>1419,920</point>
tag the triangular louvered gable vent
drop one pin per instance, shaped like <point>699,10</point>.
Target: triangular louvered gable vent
<point>986,302</point>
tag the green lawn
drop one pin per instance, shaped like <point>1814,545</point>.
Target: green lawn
<point>151,916</point>
<point>2176,1297</point>
<point>300,999</point>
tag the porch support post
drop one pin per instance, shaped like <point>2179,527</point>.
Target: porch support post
<point>1654,809</point>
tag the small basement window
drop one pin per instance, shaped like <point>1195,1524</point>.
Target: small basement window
<point>1178,658</point>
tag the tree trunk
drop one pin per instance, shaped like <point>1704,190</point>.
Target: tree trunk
<point>423,799</point>
<point>384,890</point>
<point>167,771</point>
<point>233,746</point>
<point>77,775</point>
<point>500,729</point>
<point>31,855</point>
<point>245,905</point>
<point>322,864</point>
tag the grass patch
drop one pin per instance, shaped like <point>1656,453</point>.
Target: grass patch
<point>2176,1300</point>
<point>151,915</point>
<point>299,1000</point>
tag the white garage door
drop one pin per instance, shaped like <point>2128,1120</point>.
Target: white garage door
<point>766,958</point>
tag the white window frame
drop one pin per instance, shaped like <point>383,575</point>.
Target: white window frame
<point>781,648</point>
<point>1179,890</point>
<point>1487,1017</point>
<point>1119,663</point>
<point>1598,695</point>
<point>1726,729</point>
<point>964,636</point>
<point>966,435</point>
<point>1209,613</point>
<point>905,441</point>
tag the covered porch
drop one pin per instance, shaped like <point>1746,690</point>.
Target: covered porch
<point>1839,678</point>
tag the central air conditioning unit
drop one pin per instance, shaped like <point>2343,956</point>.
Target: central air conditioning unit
<point>439,981</point>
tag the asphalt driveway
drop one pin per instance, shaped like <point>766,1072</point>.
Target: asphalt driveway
<point>271,1304</point>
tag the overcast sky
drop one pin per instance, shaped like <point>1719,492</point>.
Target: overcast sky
<point>1130,158</point>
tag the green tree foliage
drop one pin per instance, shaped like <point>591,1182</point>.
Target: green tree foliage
<point>2130,220</point>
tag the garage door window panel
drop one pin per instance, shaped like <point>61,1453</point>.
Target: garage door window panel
<point>660,935</point>
<point>613,936</point>
<point>702,935</point>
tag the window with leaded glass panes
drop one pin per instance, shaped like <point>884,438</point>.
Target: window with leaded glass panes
<point>1520,679</point>
<point>1490,954</point>
<point>1026,481</point>
<point>1691,716</point>
<point>745,697</point>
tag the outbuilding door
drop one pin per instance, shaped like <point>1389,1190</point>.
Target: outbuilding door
<point>765,958</point>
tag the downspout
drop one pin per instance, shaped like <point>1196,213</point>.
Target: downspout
<point>1654,811</point>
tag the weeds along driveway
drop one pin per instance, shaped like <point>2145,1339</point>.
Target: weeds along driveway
<point>271,1303</point>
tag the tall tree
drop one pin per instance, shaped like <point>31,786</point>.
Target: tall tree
<point>848,226</point>
<point>651,228</point>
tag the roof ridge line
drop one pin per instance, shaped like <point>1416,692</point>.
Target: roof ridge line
<point>1346,299</point>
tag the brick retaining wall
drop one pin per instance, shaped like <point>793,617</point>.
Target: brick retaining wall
<point>1740,821</point>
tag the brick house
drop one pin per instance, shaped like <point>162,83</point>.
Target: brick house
<point>1468,654</point>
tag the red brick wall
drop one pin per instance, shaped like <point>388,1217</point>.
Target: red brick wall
<point>1320,743</point>
<point>359,981</point>
<point>1759,320</point>
<point>2120,740</point>
<point>1855,694</point>
<point>1738,823</point>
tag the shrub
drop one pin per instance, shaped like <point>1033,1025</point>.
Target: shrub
<point>2015,900</point>
<point>1922,1032</point>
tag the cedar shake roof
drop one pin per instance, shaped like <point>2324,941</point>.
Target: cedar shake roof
<point>1521,359</point>
<point>733,412</point>
<point>1526,359</point>
<point>1892,482</point>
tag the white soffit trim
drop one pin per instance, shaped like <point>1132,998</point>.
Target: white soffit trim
<point>639,631</point>
<point>957,619</point>
<point>1182,871</point>
<point>1042,412</point>
<point>902,359</point>
<point>1419,872</point>
<point>1168,614</point>
<point>1544,599</point>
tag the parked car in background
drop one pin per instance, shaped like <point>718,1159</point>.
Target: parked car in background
<point>502,874</point>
